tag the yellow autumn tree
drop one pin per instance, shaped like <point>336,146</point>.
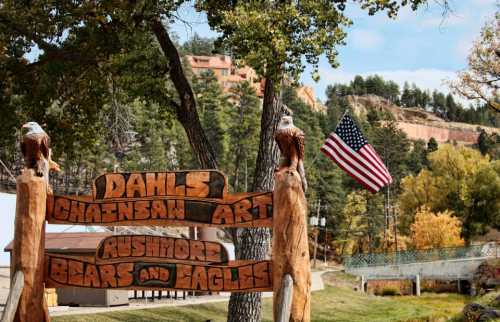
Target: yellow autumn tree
<point>459,179</point>
<point>436,230</point>
<point>354,209</point>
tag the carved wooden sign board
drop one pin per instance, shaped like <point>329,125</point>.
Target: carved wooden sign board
<point>181,198</point>
<point>153,262</point>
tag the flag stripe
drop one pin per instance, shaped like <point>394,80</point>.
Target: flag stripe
<point>379,161</point>
<point>372,152</point>
<point>330,156</point>
<point>354,162</point>
<point>377,157</point>
<point>365,151</point>
<point>352,172</point>
<point>364,163</point>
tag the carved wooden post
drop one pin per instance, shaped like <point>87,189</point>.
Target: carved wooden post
<point>29,245</point>
<point>290,244</point>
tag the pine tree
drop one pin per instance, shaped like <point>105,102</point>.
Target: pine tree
<point>358,85</point>
<point>452,109</point>
<point>393,146</point>
<point>485,142</point>
<point>432,145</point>
<point>392,90</point>
<point>212,104</point>
<point>243,119</point>
<point>417,158</point>
<point>198,45</point>
<point>406,95</point>
<point>439,104</point>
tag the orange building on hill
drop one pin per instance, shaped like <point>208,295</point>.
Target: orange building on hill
<point>228,75</point>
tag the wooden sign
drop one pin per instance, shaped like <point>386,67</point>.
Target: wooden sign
<point>159,249</point>
<point>245,210</point>
<point>178,198</point>
<point>196,183</point>
<point>64,271</point>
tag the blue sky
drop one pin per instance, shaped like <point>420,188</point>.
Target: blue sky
<point>421,47</point>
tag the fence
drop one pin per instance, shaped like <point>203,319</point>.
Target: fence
<point>426,255</point>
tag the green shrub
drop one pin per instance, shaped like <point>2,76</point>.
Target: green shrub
<point>390,291</point>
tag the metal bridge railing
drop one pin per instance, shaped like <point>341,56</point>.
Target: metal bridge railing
<point>423,255</point>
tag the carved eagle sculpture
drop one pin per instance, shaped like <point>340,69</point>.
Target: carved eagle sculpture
<point>290,141</point>
<point>35,147</point>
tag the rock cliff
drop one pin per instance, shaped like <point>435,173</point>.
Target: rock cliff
<point>419,124</point>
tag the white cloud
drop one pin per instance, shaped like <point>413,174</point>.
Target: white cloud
<point>365,39</point>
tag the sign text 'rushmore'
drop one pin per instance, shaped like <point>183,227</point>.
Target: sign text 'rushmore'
<point>159,249</point>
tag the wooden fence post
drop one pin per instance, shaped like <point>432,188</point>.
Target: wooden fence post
<point>290,244</point>
<point>28,251</point>
<point>417,285</point>
<point>16,289</point>
<point>285,299</point>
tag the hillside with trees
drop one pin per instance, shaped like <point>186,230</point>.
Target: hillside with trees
<point>444,106</point>
<point>130,133</point>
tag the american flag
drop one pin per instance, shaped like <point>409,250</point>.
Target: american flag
<point>347,147</point>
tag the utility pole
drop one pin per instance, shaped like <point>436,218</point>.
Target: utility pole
<point>326,243</point>
<point>387,215</point>
<point>316,233</point>
<point>395,224</point>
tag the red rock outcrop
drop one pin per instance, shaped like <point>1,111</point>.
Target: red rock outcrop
<point>420,124</point>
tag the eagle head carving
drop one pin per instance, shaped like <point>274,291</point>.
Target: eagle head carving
<point>290,141</point>
<point>35,146</point>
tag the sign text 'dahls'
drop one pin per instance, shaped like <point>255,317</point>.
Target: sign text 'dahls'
<point>197,183</point>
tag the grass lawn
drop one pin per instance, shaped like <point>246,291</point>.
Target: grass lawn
<point>337,303</point>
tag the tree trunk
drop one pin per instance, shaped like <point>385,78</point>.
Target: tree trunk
<point>250,243</point>
<point>268,156</point>
<point>186,111</point>
<point>239,154</point>
<point>237,163</point>
<point>253,243</point>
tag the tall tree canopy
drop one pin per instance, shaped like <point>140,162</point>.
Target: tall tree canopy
<point>481,81</point>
